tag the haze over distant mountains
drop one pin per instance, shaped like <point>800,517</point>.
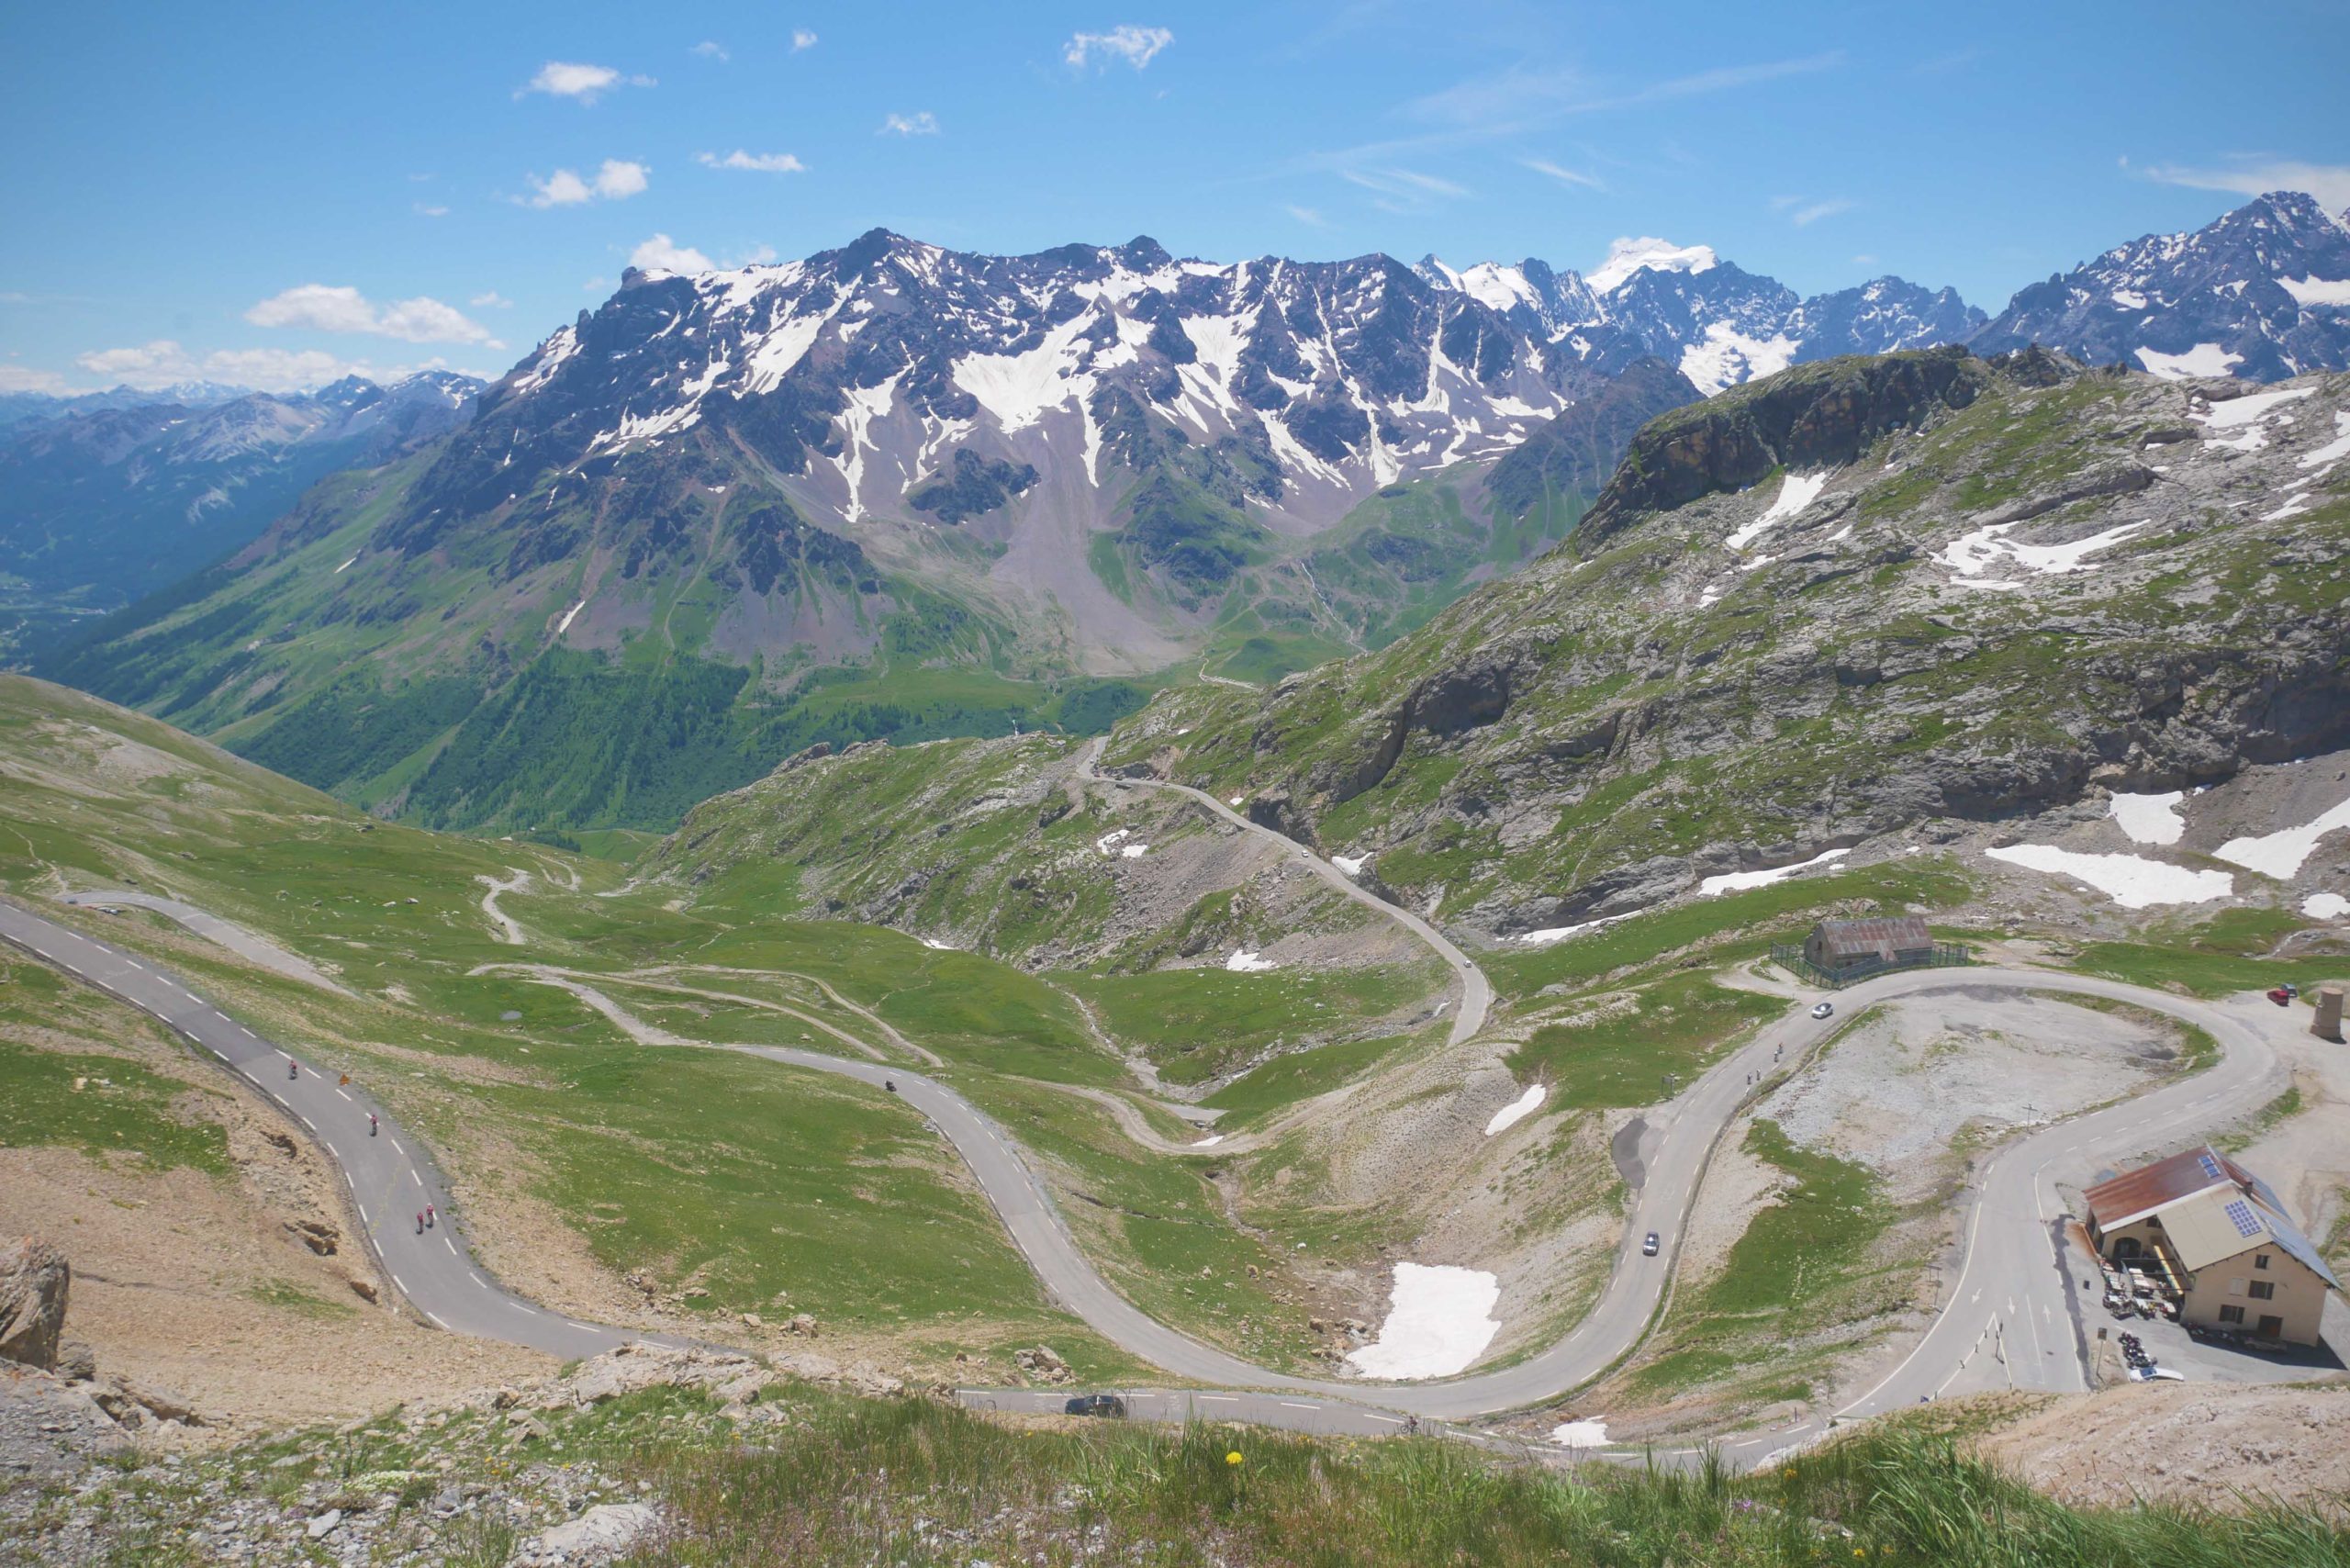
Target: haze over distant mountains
<point>106,498</point>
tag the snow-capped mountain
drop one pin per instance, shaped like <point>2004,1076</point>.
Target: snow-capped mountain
<point>2262,293</point>
<point>123,493</point>
<point>1721,324</point>
<point>861,376</point>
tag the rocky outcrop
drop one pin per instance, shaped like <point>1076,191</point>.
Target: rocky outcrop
<point>1968,600</point>
<point>1814,417</point>
<point>35,1280</point>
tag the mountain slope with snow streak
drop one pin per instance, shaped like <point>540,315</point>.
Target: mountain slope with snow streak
<point>2262,293</point>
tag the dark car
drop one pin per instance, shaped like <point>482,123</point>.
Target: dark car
<point>1106,1404</point>
<point>1647,1247</point>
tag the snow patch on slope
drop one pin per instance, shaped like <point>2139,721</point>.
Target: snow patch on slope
<point>1739,882</point>
<point>2280,854</point>
<point>1726,357</point>
<point>1796,492</point>
<point>2203,359</point>
<point>1439,1318</point>
<point>2150,819</point>
<point>1516,1110</point>
<point>2131,881</point>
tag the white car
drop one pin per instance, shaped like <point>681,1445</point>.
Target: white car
<point>1824,1010</point>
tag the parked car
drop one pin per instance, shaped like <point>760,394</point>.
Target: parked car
<point>2283,995</point>
<point>1105,1405</point>
<point>1824,1010</point>
<point>1647,1247</point>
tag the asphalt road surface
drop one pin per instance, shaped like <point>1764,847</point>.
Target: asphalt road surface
<point>1476,992</point>
<point>391,1178</point>
<point>2004,1319</point>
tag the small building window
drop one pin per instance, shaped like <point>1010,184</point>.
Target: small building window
<point>2264,1290</point>
<point>2232,1315</point>
<point>2260,1260</point>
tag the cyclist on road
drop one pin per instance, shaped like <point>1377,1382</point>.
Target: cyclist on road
<point>371,1124</point>
<point>420,1224</point>
<point>430,1216</point>
<point>293,1067</point>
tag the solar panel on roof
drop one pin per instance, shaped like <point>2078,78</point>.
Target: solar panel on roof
<point>2247,1223</point>
<point>2211,1166</point>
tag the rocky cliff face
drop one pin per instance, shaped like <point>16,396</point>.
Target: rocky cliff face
<point>1861,598</point>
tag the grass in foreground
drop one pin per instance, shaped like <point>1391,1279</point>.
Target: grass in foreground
<point>915,1483</point>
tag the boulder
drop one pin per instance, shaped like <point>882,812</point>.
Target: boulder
<point>76,1361</point>
<point>634,1366</point>
<point>34,1281</point>
<point>1043,1364</point>
<point>605,1531</point>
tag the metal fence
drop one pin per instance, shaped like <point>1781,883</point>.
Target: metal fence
<point>1790,956</point>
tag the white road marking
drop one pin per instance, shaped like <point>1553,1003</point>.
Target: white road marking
<point>478,1279</point>
<point>1294,1405</point>
<point>415,1178</point>
<point>449,1245</point>
<point>339,1091</point>
<point>1391,1420</point>
<point>395,1280</point>
<point>1220,1398</point>
<point>436,1318</point>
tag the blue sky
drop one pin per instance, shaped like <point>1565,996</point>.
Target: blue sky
<point>274,194</point>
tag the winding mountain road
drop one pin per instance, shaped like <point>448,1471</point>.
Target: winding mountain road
<point>2009,1293</point>
<point>1476,990</point>
<point>390,1177</point>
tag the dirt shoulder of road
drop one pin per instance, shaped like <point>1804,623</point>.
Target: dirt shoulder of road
<point>2205,1445</point>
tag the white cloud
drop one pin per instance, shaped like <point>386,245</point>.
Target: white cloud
<point>709,50</point>
<point>1308,216</point>
<point>1137,46</point>
<point>663,254</point>
<point>1565,175</point>
<point>2330,183</point>
<point>562,188</point>
<point>325,307</point>
<point>163,361</point>
<point>757,163</point>
<point>923,123</point>
<point>1403,190</point>
<point>756,256</point>
<point>427,209</point>
<point>491,299</point>
<point>584,83</point>
<point>802,37</point>
<point>1812,212</point>
<point>23,378</point>
<point>616,181</point>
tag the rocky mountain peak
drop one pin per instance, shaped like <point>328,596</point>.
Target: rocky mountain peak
<point>2261,293</point>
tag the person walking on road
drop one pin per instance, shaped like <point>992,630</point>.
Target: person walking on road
<point>430,1216</point>
<point>371,1124</point>
<point>420,1224</point>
